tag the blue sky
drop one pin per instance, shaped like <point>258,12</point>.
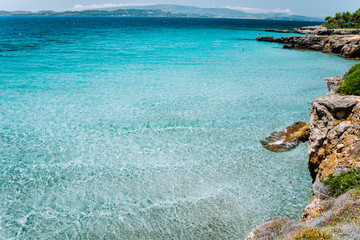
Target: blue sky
<point>303,7</point>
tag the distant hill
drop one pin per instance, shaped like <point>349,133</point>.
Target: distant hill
<point>221,12</point>
<point>224,12</point>
<point>167,10</point>
<point>104,13</point>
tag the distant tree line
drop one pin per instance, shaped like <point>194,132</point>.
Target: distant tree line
<point>343,20</point>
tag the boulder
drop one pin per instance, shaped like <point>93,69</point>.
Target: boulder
<point>279,30</point>
<point>265,39</point>
<point>333,83</point>
<point>310,29</point>
<point>270,230</point>
<point>321,191</point>
<point>351,50</point>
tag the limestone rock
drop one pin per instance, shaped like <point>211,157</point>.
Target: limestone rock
<point>269,230</point>
<point>316,208</point>
<point>321,30</point>
<point>355,151</point>
<point>288,138</point>
<point>310,29</point>
<point>335,133</point>
<point>333,83</point>
<point>351,50</point>
<point>321,191</point>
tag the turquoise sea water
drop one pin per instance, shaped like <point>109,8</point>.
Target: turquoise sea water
<point>135,128</point>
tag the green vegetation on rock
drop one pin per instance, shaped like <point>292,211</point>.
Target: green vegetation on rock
<point>345,181</point>
<point>343,20</point>
<point>351,84</point>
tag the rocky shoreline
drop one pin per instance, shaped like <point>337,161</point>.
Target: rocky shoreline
<point>347,46</point>
<point>321,30</point>
<point>334,147</point>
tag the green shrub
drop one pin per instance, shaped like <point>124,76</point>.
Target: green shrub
<point>343,20</point>
<point>353,69</point>
<point>344,181</point>
<point>351,85</point>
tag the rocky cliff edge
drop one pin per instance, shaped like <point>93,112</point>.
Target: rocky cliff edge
<point>334,147</point>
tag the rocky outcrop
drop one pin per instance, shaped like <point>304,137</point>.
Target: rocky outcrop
<point>333,218</point>
<point>345,46</point>
<point>334,147</point>
<point>287,138</point>
<point>338,32</point>
<point>309,29</point>
<point>321,30</point>
<point>335,134</point>
<point>333,83</point>
<point>279,30</point>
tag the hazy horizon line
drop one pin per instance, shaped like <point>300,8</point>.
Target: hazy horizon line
<point>80,7</point>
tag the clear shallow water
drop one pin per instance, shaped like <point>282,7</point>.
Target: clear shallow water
<point>133,128</point>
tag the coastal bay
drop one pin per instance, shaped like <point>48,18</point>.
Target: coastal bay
<point>150,128</point>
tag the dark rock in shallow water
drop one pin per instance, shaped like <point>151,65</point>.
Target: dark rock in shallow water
<point>288,46</point>
<point>288,138</point>
<point>266,39</point>
<point>278,30</point>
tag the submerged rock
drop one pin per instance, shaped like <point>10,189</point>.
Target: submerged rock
<point>287,138</point>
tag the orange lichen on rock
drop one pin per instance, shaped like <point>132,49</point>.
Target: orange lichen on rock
<point>315,209</point>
